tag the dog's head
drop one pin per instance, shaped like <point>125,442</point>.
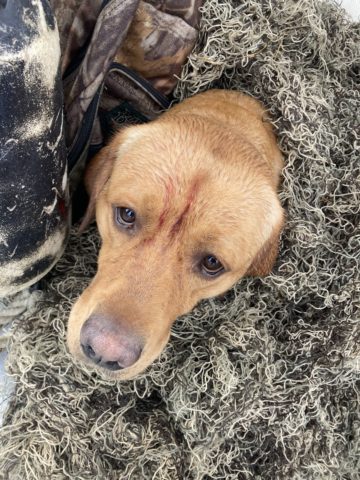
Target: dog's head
<point>184,211</point>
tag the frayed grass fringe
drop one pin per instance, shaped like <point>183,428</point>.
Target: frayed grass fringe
<point>264,383</point>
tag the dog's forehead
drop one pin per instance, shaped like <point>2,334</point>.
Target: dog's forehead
<point>165,162</point>
<point>180,170</point>
<point>180,181</point>
<point>157,155</point>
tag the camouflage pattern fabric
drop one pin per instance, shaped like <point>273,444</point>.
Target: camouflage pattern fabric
<point>157,46</point>
<point>151,38</point>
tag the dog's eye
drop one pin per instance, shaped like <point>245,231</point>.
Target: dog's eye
<point>210,265</point>
<point>125,216</point>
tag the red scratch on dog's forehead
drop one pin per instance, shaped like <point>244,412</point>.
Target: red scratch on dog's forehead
<point>169,192</point>
<point>188,203</point>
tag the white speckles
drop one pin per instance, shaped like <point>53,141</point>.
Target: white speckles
<point>34,127</point>
<point>64,181</point>
<point>13,252</point>
<point>53,247</point>
<point>53,146</point>
<point>50,208</point>
<point>43,53</point>
<point>3,239</point>
<point>8,146</point>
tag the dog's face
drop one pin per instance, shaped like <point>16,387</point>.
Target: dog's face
<point>181,219</point>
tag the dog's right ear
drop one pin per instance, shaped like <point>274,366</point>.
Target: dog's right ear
<point>97,174</point>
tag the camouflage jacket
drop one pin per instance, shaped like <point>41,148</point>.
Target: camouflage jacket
<point>119,56</point>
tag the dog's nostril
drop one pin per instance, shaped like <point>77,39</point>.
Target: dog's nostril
<point>110,365</point>
<point>88,350</point>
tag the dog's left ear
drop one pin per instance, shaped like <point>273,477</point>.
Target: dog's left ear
<point>97,174</point>
<point>265,258</point>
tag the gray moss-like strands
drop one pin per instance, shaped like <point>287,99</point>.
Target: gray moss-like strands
<point>263,383</point>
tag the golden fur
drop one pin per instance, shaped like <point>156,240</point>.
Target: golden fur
<point>202,180</point>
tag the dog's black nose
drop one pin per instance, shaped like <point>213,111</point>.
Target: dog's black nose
<point>105,342</point>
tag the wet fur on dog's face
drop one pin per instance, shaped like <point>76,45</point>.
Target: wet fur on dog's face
<point>185,206</point>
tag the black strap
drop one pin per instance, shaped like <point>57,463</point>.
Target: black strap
<point>83,136</point>
<point>146,86</point>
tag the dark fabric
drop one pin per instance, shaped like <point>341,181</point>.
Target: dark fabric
<point>33,173</point>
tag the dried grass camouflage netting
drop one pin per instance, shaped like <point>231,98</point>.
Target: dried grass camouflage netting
<point>264,383</point>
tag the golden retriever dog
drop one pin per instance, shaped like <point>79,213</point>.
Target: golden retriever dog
<point>186,205</point>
